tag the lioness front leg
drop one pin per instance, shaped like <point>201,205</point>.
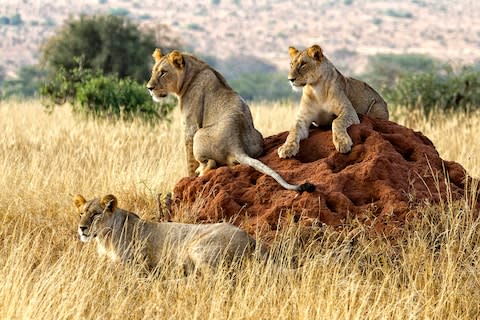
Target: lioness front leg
<point>292,144</point>
<point>341,140</point>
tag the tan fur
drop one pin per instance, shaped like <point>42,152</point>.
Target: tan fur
<point>125,237</point>
<point>219,128</point>
<point>328,98</point>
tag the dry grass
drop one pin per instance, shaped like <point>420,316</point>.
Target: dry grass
<point>47,273</point>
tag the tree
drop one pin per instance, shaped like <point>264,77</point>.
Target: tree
<point>111,44</point>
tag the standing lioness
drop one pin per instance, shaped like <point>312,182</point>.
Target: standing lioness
<point>218,124</point>
<point>124,236</point>
<point>328,98</point>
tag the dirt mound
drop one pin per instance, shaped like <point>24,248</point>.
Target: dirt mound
<point>389,171</point>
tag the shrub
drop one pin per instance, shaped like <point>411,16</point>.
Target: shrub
<point>445,90</point>
<point>99,96</point>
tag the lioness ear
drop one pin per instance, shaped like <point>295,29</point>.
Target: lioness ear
<point>78,200</point>
<point>176,59</point>
<point>109,202</point>
<point>292,51</point>
<point>315,52</point>
<point>157,55</point>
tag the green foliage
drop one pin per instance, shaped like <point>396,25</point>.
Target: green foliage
<point>383,70</point>
<point>399,14</point>
<point>111,44</point>
<point>25,85</point>
<point>121,12</point>
<point>4,21</point>
<point>445,90</point>
<point>93,94</point>
<point>194,26</point>
<point>2,74</point>
<point>15,20</point>
<point>263,86</point>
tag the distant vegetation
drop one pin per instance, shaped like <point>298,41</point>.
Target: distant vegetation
<point>106,96</point>
<point>112,44</point>
<point>14,20</point>
<point>383,70</point>
<point>253,78</point>
<point>438,90</point>
<point>26,85</point>
<point>100,65</point>
<point>421,82</point>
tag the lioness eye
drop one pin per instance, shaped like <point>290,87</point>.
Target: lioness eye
<point>163,73</point>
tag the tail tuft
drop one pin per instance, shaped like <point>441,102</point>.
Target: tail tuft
<point>307,186</point>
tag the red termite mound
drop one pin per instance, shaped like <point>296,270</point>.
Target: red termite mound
<point>389,171</point>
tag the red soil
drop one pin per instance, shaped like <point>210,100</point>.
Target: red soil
<point>390,170</point>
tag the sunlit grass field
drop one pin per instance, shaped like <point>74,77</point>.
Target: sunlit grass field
<point>47,273</point>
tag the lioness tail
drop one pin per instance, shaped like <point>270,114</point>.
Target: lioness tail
<point>263,168</point>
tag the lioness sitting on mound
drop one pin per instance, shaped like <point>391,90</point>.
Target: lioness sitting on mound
<point>124,236</point>
<point>328,98</point>
<point>218,124</point>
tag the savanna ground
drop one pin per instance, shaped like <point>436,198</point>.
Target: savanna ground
<point>47,273</point>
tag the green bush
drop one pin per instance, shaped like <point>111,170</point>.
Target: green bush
<point>99,96</point>
<point>445,90</point>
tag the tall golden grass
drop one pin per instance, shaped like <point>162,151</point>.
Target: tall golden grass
<point>46,273</point>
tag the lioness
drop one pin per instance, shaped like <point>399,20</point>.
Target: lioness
<point>218,124</point>
<point>124,236</point>
<point>328,97</point>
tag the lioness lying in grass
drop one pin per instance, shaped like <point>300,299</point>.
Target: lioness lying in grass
<point>124,236</point>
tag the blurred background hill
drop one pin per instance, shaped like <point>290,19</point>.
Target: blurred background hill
<point>247,40</point>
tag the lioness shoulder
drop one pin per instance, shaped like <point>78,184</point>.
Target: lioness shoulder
<point>328,98</point>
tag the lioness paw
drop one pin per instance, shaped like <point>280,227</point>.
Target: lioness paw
<point>288,150</point>
<point>343,143</point>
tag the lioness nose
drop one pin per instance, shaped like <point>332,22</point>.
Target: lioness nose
<point>82,228</point>
<point>291,79</point>
<point>150,87</point>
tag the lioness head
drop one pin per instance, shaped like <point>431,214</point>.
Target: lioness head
<point>95,215</point>
<point>167,74</point>
<point>304,66</point>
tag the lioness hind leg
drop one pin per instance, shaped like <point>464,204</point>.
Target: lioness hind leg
<point>206,166</point>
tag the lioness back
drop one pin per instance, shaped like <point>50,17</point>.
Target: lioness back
<point>365,99</point>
